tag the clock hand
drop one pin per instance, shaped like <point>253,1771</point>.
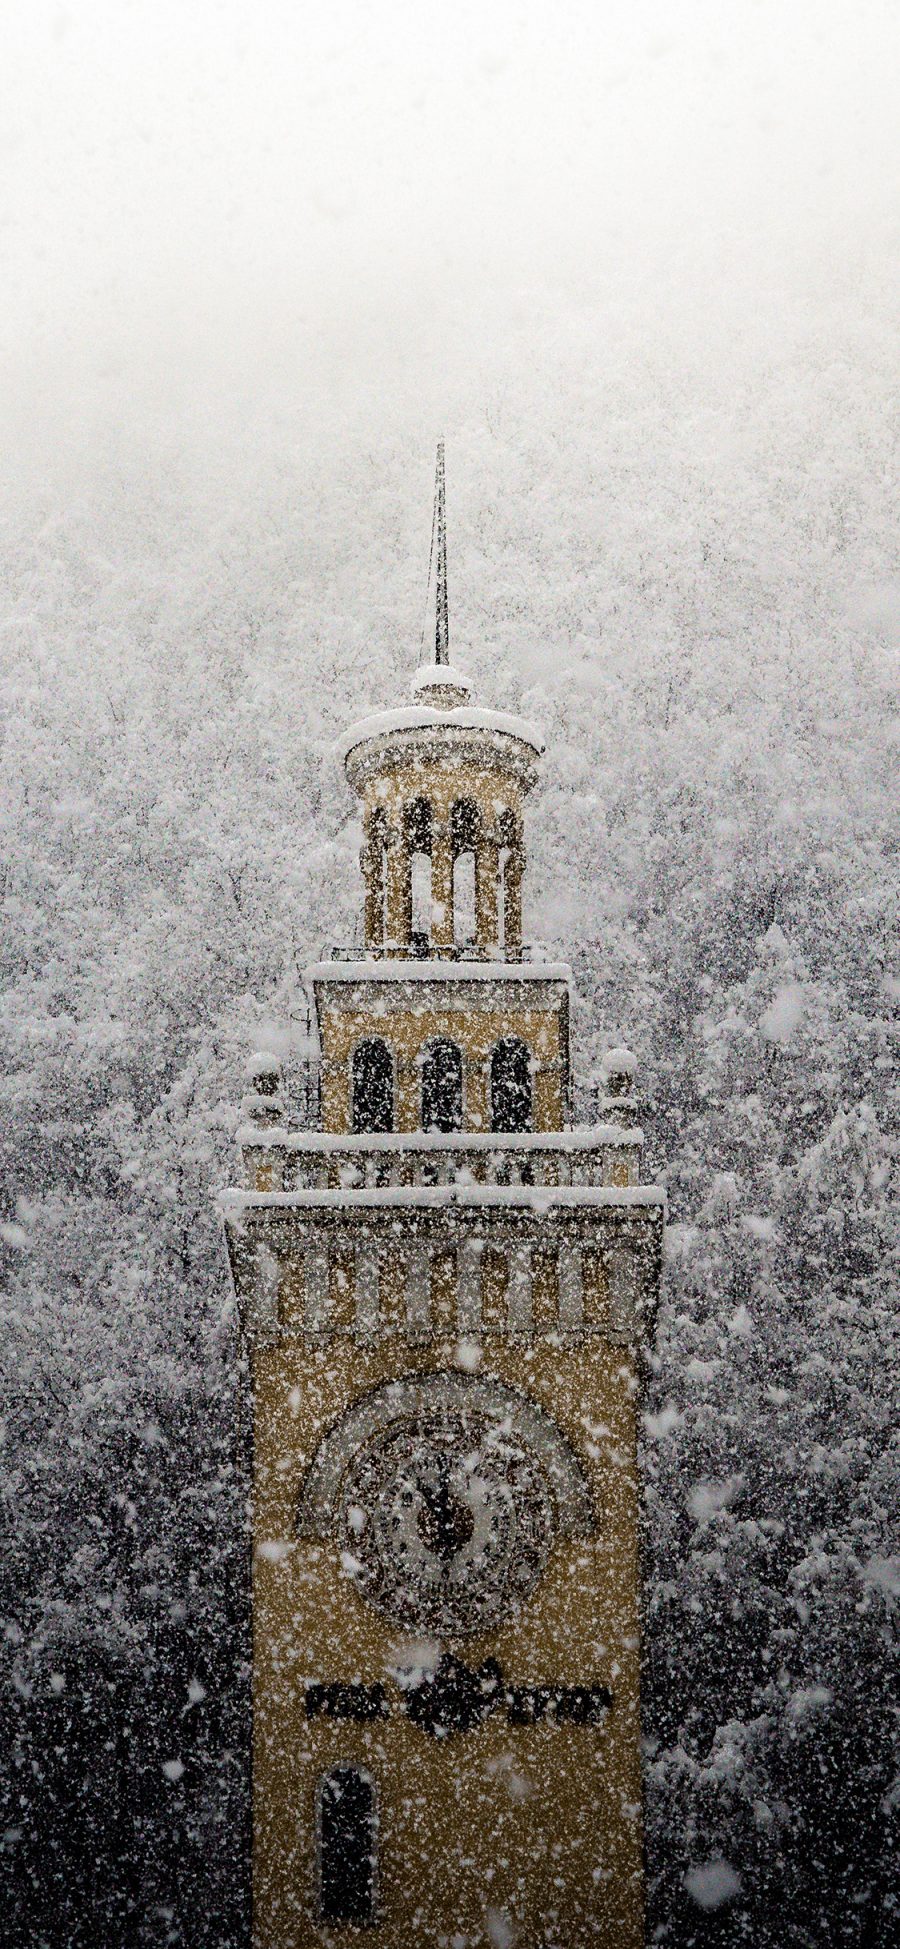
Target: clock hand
<point>445,1521</point>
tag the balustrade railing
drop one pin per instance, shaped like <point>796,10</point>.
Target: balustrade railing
<point>419,948</point>
<point>298,1161</point>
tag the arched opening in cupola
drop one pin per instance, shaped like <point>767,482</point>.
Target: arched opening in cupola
<point>511,1089</point>
<point>418,836</point>
<point>464,836</point>
<point>442,1086</point>
<point>372,1091</point>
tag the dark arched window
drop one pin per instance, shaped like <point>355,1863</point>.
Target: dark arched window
<point>347,1842</point>
<point>464,826</point>
<point>442,1087</point>
<point>511,1085</point>
<point>417,822</point>
<point>417,819</point>
<point>373,1086</point>
<point>464,831</point>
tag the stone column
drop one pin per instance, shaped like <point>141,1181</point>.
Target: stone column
<point>622,1274</point>
<point>409,1085</point>
<point>518,1292</point>
<point>418,1292</point>
<point>399,890</point>
<point>372,863</point>
<point>262,1290</point>
<point>468,1284</point>
<point>547,1096</point>
<point>512,905</point>
<point>315,1293</point>
<point>476,1088</point>
<point>487,874</point>
<point>366,1289</point>
<point>441,888</point>
<point>571,1298</point>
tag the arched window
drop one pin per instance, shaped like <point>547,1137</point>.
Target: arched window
<point>442,1087</point>
<point>511,1094</point>
<point>348,1835</point>
<point>373,1086</point>
<point>464,830</point>
<point>464,826</point>
<point>417,822</point>
<point>417,819</point>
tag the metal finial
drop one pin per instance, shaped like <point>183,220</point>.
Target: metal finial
<point>442,608</point>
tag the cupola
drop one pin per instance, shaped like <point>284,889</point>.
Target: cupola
<point>442,783</point>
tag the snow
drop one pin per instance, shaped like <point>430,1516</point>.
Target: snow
<point>712,1884</point>
<point>322,1142</point>
<point>883,1573</point>
<point>263,1063</point>
<point>500,1930</point>
<point>274,1549</point>
<point>809,1699</point>
<point>658,1426</point>
<point>708,1499</point>
<point>784,1014</point>
<point>664,565</point>
<point>618,1062</point>
<point>425,1197</point>
<point>759,1227</point>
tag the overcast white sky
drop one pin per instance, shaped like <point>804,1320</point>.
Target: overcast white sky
<point>215,176</point>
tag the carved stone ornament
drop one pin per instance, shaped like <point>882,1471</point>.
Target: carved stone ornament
<point>445,1494</point>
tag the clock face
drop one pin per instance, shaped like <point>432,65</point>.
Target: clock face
<point>447,1514</point>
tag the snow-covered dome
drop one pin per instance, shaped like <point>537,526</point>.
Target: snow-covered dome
<point>442,685</point>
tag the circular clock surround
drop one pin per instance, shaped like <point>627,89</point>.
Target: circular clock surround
<point>445,1494</point>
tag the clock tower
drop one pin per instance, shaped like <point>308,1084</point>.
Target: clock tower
<point>444,1286</point>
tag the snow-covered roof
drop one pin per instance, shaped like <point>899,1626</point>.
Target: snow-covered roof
<point>423,1197</point>
<point>447,675</point>
<point>597,1137</point>
<point>424,717</point>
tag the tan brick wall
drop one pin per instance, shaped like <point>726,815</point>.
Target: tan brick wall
<point>541,1823</point>
<point>407,1030</point>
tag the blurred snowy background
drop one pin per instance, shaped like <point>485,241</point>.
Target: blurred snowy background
<point>639,263</point>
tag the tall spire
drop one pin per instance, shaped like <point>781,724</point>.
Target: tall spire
<point>442,610</point>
